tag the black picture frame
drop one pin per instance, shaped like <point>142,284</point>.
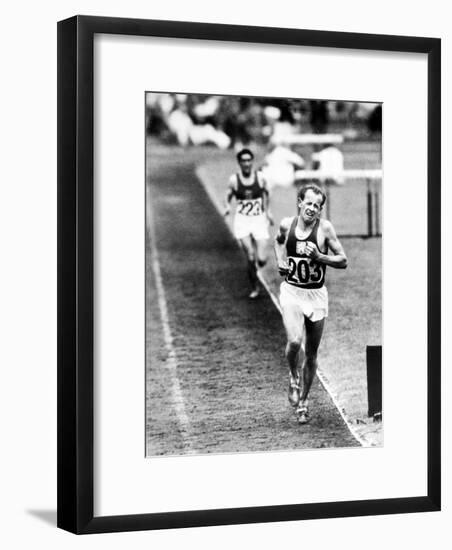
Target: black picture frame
<point>75,273</point>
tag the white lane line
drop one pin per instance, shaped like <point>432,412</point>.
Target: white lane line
<point>171,360</point>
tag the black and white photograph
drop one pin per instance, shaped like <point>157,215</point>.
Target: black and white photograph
<point>263,274</point>
<point>226,248</point>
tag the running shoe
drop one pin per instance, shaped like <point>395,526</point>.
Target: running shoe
<point>303,414</point>
<point>254,294</point>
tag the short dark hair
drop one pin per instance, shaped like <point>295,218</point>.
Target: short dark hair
<point>311,187</point>
<point>243,152</point>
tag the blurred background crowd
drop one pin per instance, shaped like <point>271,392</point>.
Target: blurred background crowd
<point>232,122</point>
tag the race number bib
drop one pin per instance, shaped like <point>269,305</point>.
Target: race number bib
<point>250,207</point>
<point>304,271</point>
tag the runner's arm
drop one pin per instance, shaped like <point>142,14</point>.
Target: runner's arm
<point>280,245</point>
<point>338,259</point>
<point>230,193</point>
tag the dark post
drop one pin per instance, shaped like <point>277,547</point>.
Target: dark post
<point>369,209</point>
<point>328,201</point>
<point>374,381</point>
<point>377,212</point>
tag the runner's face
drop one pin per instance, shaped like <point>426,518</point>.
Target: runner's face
<point>246,164</point>
<point>310,207</point>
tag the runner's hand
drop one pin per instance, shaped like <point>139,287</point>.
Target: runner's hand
<point>270,219</point>
<point>312,251</point>
<point>283,269</point>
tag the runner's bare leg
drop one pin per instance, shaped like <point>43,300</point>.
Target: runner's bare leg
<point>248,248</point>
<point>314,331</point>
<point>294,332</point>
<point>261,251</point>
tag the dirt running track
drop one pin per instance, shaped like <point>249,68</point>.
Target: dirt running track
<point>216,378</point>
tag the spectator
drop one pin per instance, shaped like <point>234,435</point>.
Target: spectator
<point>280,166</point>
<point>330,161</point>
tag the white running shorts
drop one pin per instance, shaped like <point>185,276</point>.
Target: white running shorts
<point>256,226</point>
<point>297,303</point>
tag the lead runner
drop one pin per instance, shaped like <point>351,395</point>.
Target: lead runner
<point>301,248</point>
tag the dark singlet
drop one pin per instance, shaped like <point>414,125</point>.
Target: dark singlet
<point>250,198</point>
<point>304,272</point>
